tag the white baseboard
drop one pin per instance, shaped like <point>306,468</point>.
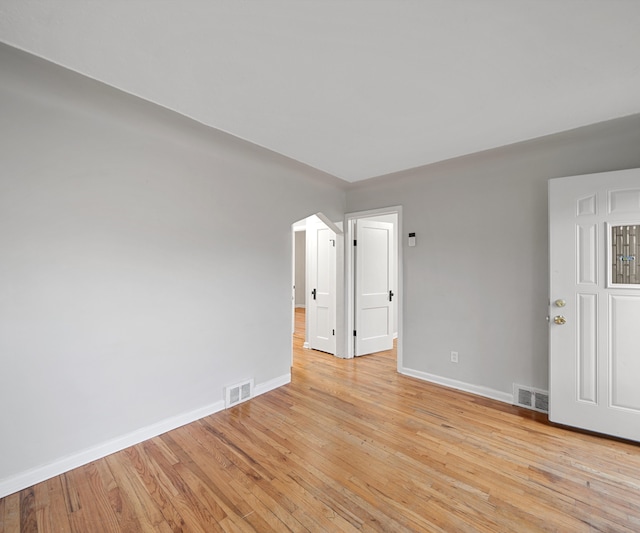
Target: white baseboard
<point>460,385</point>
<point>35,475</point>
<point>301,306</point>
<point>271,384</point>
<point>306,346</point>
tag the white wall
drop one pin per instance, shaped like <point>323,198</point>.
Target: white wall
<point>145,263</point>
<point>477,281</point>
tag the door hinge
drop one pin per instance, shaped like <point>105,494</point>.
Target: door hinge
<point>355,242</point>
<point>333,242</point>
<point>313,293</point>
<point>354,332</point>
<point>333,331</point>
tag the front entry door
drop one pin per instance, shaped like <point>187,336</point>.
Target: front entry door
<point>373,286</point>
<point>595,302</point>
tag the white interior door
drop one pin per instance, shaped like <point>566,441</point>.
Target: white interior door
<point>321,289</point>
<point>595,302</point>
<point>373,286</point>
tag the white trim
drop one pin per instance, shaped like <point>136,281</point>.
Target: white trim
<point>306,346</point>
<point>460,385</point>
<point>38,474</point>
<point>271,384</point>
<point>301,306</point>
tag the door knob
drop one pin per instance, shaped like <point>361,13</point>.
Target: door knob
<point>560,320</point>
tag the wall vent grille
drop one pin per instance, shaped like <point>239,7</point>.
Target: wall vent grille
<point>531,398</point>
<point>238,393</point>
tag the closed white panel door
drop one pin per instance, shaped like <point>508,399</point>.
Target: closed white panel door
<point>321,295</point>
<point>595,302</point>
<point>373,286</point>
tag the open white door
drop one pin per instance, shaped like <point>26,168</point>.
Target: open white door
<point>373,286</point>
<point>321,286</point>
<point>595,302</point>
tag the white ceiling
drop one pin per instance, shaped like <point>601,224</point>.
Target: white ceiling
<point>356,88</point>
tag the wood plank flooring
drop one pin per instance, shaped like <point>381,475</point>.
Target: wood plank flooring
<point>349,445</point>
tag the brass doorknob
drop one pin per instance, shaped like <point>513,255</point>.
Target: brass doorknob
<point>560,320</point>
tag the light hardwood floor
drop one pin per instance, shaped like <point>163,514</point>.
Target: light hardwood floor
<point>349,445</point>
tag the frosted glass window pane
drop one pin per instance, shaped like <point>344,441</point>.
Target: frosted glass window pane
<point>625,255</point>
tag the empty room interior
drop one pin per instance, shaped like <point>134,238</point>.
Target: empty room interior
<point>320,266</point>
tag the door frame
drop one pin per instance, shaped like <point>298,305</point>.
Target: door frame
<point>340,317</point>
<point>350,273</point>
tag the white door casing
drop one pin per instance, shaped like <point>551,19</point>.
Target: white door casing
<point>594,380</point>
<point>374,289</point>
<point>321,289</point>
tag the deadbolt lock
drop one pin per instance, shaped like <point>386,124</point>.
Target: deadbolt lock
<point>560,320</point>
<point>560,303</point>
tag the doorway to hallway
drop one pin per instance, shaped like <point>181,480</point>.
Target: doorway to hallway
<point>374,293</point>
<point>345,259</point>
